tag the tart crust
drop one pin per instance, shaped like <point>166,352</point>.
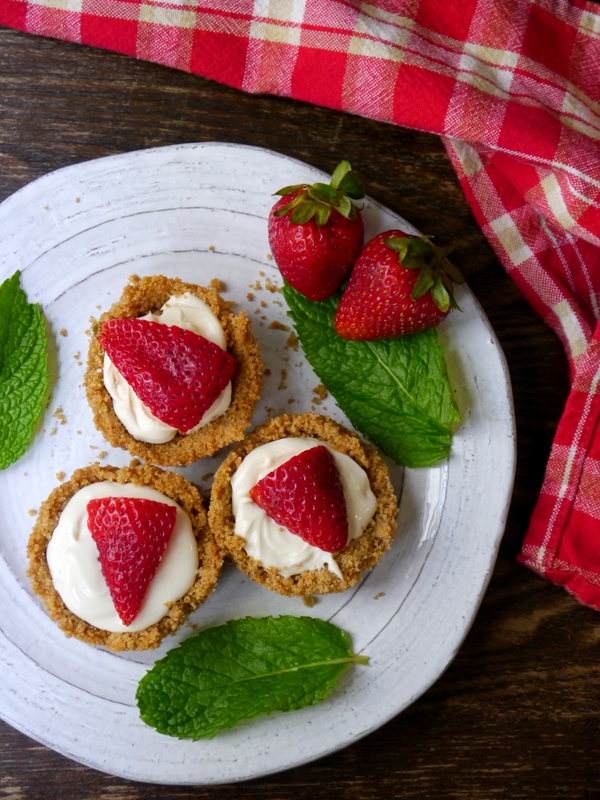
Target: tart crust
<point>149,294</point>
<point>170,484</point>
<point>360,554</point>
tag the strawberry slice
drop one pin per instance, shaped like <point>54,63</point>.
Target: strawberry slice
<point>176,373</point>
<point>131,535</point>
<point>306,496</point>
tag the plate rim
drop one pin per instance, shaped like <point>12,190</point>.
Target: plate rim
<point>16,197</point>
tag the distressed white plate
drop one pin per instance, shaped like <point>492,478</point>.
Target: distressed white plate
<point>199,211</point>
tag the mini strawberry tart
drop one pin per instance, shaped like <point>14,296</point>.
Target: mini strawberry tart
<point>120,557</point>
<point>173,374</point>
<point>303,506</point>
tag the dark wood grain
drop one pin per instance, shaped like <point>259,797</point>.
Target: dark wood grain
<point>517,713</point>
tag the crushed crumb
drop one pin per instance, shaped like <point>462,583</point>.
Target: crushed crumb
<point>282,382</point>
<point>102,454</point>
<point>207,476</point>
<point>77,355</point>
<point>378,595</point>
<point>320,393</point>
<point>269,257</point>
<point>272,287</point>
<point>309,600</point>
<point>60,476</point>
<point>278,326</point>
<point>135,462</point>
<point>32,512</point>
<point>250,297</point>
<point>257,286</point>
<point>277,303</point>
<point>267,371</point>
<point>78,199</point>
<point>211,247</point>
<point>59,415</point>
<point>261,273</point>
<point>52,432</point>
<point>63,331</point>
<point>46,208</point>
<point>79,432</point>
<point>291,400</point>
<point>134,278</point>
<point>292,342</point>
<point>263,304</point>
<point>217,285</point>
<point>93,447</point>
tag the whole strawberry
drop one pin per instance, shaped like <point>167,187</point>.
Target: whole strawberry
<point>316,232</point>
<point>400,284</point>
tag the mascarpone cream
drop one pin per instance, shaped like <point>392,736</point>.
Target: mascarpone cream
<point>74,565</point>
<point>272,544</point>
<point>185,311</point>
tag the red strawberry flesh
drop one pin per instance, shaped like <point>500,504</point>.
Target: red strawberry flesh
<point>131,535</point>
<point>305,495</point>
<point>314,260</point>
<point>176,373</point>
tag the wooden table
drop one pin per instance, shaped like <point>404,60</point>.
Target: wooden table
<point>517,713</point>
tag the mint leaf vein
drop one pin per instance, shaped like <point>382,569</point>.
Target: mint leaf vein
<point>394,391</point>
<point>234,672</point>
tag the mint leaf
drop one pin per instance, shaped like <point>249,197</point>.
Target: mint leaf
<point>23,370</point>
<point>236,671</point>
<point>394,391</point>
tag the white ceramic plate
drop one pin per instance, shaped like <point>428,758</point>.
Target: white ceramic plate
<point>199,211</point>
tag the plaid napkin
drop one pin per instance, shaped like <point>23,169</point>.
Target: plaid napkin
<point>513,87</point>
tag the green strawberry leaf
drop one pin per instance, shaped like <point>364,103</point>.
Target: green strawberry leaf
<point>297,187</point>
<point>424,283</point>
<point>23,370</point>
<point>353,185</point>
<point>339,173</point>
<point>440,295</point>
<point>234,672</point>
<point>303,212</point>
<point>322,192</point>
<point>345,207</point>
<point>394,391</point>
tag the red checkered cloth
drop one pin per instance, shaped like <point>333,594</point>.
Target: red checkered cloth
<point>513,87</point>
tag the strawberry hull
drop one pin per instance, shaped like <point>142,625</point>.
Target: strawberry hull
<point>314,260</point>
<point>379,301</point>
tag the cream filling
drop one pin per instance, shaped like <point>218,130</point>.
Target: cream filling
<point>185,311</point>
<point>272,544</point>
<point>74,565</point>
